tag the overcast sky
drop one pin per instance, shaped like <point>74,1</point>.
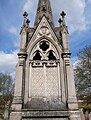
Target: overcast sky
<point>78,20</point>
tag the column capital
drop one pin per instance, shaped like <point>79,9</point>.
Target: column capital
<point>22,55</point>
<point>66,57</point>
<point>66,54</point>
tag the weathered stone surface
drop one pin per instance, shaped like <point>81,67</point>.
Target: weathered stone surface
<point>15,116</point>
<point>45,119</point>
<point>74,115</point>
<point>43,115</point>
<point>53,103</point>
<point>36,113</point>
<point>37,80</point>
<point>44,87</point>
<point>52,82</point>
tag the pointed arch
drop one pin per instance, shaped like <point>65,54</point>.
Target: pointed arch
<point>51,55</point>
<point>55,47</point>
<point>37,56</point>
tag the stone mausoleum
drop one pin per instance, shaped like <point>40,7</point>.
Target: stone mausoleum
<point>44,87</point>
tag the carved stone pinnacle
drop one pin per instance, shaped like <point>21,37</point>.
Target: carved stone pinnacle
<point>25,14</point>
<point>28,21</point>
<point>63,14</point>
<point>59,20</point>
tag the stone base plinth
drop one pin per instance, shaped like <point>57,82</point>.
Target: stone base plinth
<point>16,116</point>
<point>39,115</point>
<point>45,119</point>
<point>74,115</point>
<point>45,115</point>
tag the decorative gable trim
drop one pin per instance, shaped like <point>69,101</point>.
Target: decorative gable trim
<point>43,29</point>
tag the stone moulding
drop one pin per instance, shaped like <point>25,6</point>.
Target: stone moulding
<point>44,114</point>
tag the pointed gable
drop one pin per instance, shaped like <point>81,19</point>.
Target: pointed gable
<point>44,29</point>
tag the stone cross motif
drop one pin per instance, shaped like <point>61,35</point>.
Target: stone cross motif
<point>63,14</point>
<point>28,21</point>
<point>25,14</point>
<point>60,21</point>
<point>25,19</point>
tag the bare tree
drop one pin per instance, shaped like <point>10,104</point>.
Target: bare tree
<point>83,72</point>
<point>6,84</point>
<point>6,90</point>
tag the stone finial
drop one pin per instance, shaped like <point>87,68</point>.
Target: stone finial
<point>60,21</point>
<point>28,21</point>
<point>63,14</point>
<point>25,14</point>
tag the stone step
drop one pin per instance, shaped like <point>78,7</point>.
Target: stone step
<point>43,115</point>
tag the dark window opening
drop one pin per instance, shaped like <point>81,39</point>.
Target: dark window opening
<point>37,56</point>
<point>51,56</point>
<point>44,46</point>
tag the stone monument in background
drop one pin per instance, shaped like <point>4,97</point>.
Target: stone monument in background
<point>44,87</point>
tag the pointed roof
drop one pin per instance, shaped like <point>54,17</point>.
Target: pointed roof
<point>44,8</point>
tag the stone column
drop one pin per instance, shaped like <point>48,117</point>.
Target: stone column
<point>63,82</point>
<point>71,94</point>
<point>27,78</point>
<point>18,100</point>
<point>65,39</point>
<point>19,90</point>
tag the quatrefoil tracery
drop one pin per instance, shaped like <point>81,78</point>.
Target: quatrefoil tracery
<point>44,51</point>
